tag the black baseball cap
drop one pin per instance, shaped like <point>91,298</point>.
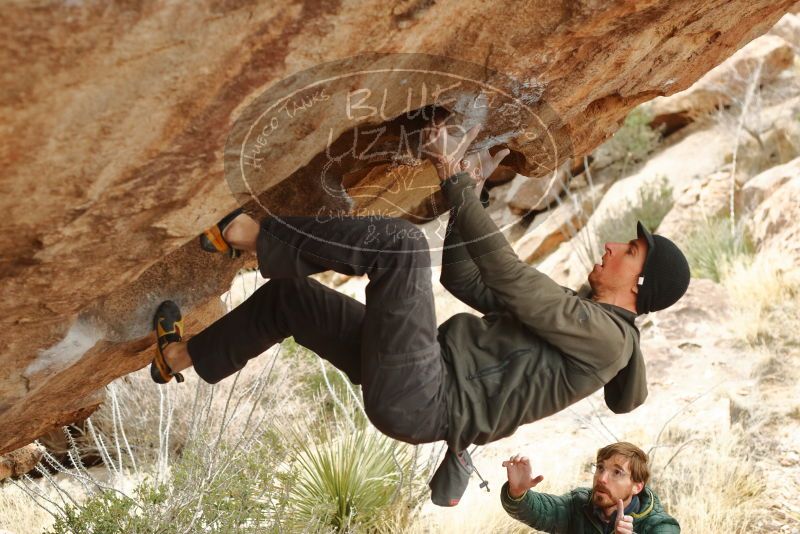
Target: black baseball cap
<point>665,276</point>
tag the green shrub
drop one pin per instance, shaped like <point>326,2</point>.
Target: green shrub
<point>107,513</point>
<point>635,139</point>
<point>111,512</point>
<point>655,201</point>
<point>327,392</point>
<point>713,246</point>
<point>292,349</point>
<point>215,490</point>
<point>325,388</point>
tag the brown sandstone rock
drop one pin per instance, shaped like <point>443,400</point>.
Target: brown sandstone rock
<point>696,318</point>
<point>788,28</point>
<point>776,222</point>
<point>115,119</point>
<point>528,194</point>
<point>570,264</point>
<point>763,186</point>
<point>705,199</point>
<point>20,461</point>
<point>553,227</point>
<point>769,55</point>
<point>709,196</point>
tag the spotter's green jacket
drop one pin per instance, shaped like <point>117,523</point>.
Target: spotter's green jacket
<point>571,513</point>
<point>538,348</point>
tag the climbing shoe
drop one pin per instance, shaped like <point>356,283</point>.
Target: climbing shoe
<point>168,324</point>
<point>212,241</point>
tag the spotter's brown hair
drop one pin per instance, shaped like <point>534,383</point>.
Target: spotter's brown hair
<point>637,459</point>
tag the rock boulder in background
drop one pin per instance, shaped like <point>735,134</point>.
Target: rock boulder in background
<point>774,223</point>
<point>764,58</point>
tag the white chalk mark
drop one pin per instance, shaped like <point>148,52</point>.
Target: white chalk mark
<point>80,338</point>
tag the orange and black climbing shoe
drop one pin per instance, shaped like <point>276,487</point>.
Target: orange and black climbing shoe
<point>212,241</point>
<point>168,325</point>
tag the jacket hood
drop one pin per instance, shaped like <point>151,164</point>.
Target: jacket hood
<point>628,389</point>
<point>648,503</point>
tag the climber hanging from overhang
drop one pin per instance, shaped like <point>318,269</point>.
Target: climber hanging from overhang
<point>537,349</point>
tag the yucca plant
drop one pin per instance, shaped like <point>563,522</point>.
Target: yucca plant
<point>350,480</point>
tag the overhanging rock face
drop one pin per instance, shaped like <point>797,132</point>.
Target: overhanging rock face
<point>116,118</point>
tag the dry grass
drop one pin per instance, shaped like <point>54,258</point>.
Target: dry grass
<point>146,408</point>
<point>718,483</point>
<point>765,296</point>
<point>17,513</point>
<point>472,520</point>
<point>711,483</point>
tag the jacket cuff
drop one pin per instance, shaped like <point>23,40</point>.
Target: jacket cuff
<point>484,197</point>
<point>457,187</point>
<point>454,187</point>
<point>506,496</point>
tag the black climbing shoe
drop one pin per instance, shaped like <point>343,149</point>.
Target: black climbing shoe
<point>168,324</point>
<point>212,241</point>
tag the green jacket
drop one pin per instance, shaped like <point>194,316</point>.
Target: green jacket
<point>538,348</point>
<point>571,513</point>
